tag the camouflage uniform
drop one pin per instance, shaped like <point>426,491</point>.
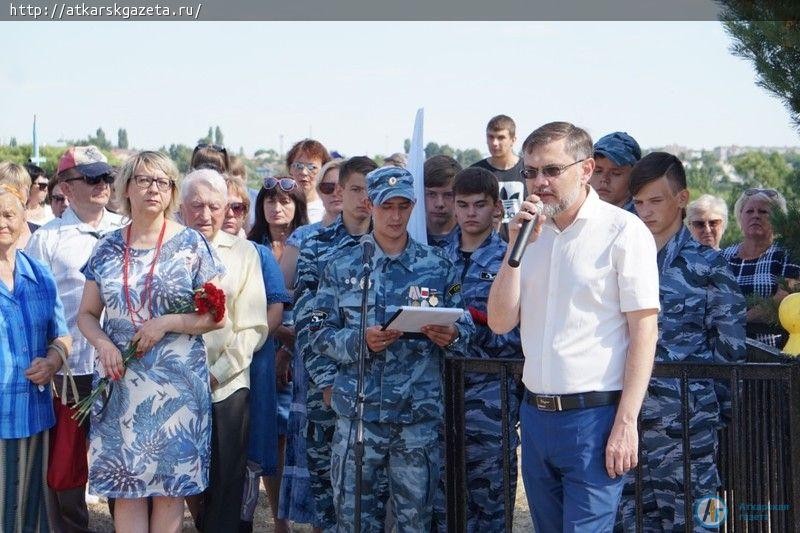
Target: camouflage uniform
<point>317,251</point>
<point>402,384</point>
<point>701,319</point>
<point>482,407</point>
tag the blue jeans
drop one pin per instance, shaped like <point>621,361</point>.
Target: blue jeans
<point>563,468</point>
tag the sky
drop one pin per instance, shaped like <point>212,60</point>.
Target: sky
<point>356,86</point>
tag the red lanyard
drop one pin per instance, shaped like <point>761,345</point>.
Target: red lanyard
<point>148,280</point>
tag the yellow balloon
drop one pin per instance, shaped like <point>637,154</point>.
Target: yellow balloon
<point>789,315</point>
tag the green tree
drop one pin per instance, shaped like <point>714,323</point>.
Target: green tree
<point>12,142</point>
<point>768,34</point>
<point>407,145</point>
<point>122,138</point>
<point>758,169</point>
<point>218,137</point>
<point>469,156</point>
<point>100,140</point>
<point>431,149</point>
<point>209,138</point>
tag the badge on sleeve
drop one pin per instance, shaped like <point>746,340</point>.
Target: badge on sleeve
<point>316,320</point>
<point>487,276</point>
<point>455,289</point>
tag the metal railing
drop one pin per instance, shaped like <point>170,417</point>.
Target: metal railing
<point>759,450</point>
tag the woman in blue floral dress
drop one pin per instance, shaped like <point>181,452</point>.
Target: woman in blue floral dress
<point>152,436</point>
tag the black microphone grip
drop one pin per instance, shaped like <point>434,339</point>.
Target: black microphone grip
<point>522,241</point>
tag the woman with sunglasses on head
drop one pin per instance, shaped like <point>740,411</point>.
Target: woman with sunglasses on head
<point>304,161</point>
<point>36,210</point>
<point>280,209</point>
<point>151,437</point>
<point>707,218</point>
<point>758,263</point>
<point>213,156</point>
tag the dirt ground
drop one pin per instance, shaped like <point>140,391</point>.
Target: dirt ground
<point>101,522</point>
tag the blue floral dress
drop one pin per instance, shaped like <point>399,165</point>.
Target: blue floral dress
<point>153,436</point>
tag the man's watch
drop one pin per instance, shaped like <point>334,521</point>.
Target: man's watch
<point>454,341</point>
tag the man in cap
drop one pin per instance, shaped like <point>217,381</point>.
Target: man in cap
<point>403,406</point>
<point>614,156</point>
<point>65,244</point>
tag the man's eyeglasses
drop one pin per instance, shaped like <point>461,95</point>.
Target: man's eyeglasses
<point>327,187</point>
<point>42,186</point>
<point>311,167</point>
<point>548,171</point>
<point>769,193</point>
<point>712,224</point>
<point>238,208</point>
<point>286,184</point>
<point>145,182</point>
<point>108,179</point>
<point>57,198</point>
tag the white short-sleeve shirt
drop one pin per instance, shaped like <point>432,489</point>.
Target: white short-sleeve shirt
<point>576,286</point>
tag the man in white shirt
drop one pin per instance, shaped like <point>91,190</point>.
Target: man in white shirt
<point>586,300</point>
<point>64,244</point>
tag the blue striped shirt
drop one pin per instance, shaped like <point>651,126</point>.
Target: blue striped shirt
<point>30,317</point>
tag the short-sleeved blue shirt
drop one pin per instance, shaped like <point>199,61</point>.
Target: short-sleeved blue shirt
<point>31,316</point>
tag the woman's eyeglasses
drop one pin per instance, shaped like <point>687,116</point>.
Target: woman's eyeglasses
<point>108,179</point>
<point>145,182</point>
<point>286,184</point>
<point>769,193</point>
<point>238,208</point>
<point>712,224</point>
<point>42,186</point>
<point>327,187</point>
<point>311,167</point>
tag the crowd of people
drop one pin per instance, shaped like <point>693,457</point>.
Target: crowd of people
<point>98,265</point>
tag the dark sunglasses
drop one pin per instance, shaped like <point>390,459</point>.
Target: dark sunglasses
<point>286,184</point>
<point>216,147</point>
<point>769,193</point>
<point>700,224</point>
<point>41,186</point>
<point>327,187</point>
<point>238,208</point>
<point>108,179</point>
<point>57,198</point>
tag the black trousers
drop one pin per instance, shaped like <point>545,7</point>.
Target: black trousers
<point>230,427</point>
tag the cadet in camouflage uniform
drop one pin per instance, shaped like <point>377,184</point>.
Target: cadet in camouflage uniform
<point>343,233</point>
<point>702,319</point>
<point>477,255</point>
<point>403,388</point>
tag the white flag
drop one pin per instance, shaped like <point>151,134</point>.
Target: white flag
<point>417,227</point>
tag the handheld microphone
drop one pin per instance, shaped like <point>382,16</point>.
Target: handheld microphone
<point>522,239</point>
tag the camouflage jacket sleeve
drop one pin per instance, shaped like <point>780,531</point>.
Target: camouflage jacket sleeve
<point>328,333</point>
<point>321,368</point>
<point>726,314</point>
<point>464,325</point>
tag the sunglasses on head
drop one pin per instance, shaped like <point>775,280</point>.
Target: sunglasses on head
<point>108,179</point>
<point>286,184</point>
<point>238,208</point>
<point>327,187</point>
<point>769,193</point>
<point>216,147</point>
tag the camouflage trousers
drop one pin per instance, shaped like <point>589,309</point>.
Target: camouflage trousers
<point>401,460</point>
<point>319,435</point>
<point>663,496</point>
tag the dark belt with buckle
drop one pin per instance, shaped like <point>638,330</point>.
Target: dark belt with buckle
<point>565,402</point>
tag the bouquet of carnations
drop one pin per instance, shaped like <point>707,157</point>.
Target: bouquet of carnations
<point>207,299</point>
